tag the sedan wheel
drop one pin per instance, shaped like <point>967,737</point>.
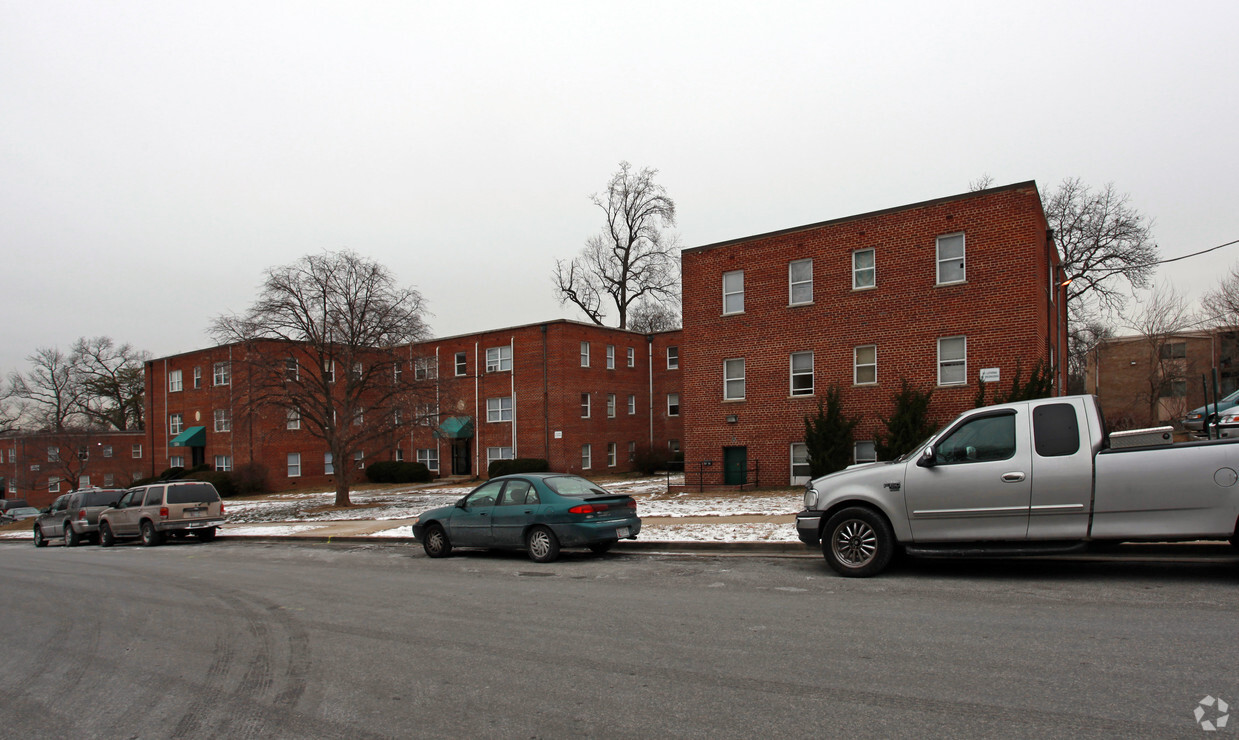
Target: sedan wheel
<point>71,537</point>
<point>436,543</point>
<point>858,542</point>
<point>105,535</point>
<point>38,538</point>
<point>542,545</point>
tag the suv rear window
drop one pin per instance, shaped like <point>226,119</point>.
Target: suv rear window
<point>101,498</point>
<point>191,493</point>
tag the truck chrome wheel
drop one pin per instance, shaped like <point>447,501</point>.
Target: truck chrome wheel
<point>858,542</point>
<point>855,543</point>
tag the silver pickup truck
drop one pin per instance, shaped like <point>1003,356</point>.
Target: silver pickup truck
<point>1034,477</point>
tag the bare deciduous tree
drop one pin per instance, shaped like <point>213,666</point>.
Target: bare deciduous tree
<point>1221,304</point>
<point>328,340</point>
<point>51,391</point>
<point>632,259</point>
<point>10,416</point>
<point>981,183</point>
<point>1163,317</point>
<point>648,317</point>
<point>112,381</point>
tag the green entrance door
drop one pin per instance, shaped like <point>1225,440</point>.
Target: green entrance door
<point>735,466</point>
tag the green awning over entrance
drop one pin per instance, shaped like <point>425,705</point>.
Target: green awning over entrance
<point>191,437</point>
<point>456,427</point>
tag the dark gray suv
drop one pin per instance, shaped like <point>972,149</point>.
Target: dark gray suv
<point>74,516</point>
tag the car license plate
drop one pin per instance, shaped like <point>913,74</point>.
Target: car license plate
<point>621,532</point>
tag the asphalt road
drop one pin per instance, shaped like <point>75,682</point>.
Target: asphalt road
<point>375,640</point>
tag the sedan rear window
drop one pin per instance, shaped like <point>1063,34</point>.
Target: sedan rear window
<point>575,486</point>
<point>191,493</point>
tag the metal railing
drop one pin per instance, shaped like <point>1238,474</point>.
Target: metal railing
<point>705,473</point>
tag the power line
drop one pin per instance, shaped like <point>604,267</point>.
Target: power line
<point>1194,254</point>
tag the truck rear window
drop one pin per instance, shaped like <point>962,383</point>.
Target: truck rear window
<point>191,493</point>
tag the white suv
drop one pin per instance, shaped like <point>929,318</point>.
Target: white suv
<point>152,512</point>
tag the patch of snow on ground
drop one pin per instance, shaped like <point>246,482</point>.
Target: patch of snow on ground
<point>277,531</point>
<point>405,531</point>
<point>26,535</point>
<point>754,532</point>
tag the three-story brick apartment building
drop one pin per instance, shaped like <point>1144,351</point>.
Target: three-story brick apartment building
<point>938,292</point>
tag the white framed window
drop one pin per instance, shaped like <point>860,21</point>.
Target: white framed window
<point>359,460</point>
<point>294,419</point>
<point>632,404</point>
<point>397,372</point>
<point>951,259</point>
<point>497,453</point>
<point>223,420</point>
<point>612,454</point>
<point>733,292</point>
<point>586,457</point>
<point>53,484</point>
<point>584,405</point>
<point>83,453</point>
<point>800,282</point>
<point>427,414</point>
<point>802,373</point>
<point>584,354</point>
<point>197,377</point>
<point>397,416</point>
<point>174,381</point>
<point>864,452</point>
<point>733,379</point>
<point>53,454</point>
<point>399,455</point>
<point>952,360</point>
<point>632,357</point>
<point>865,364</point>
<point>610,405</point>
<point>864,272</point>
<point>83,481</point>
<point>223,463</point>
<point>800,464</point>
<point>294,464</point>
<point>610,356</point>
<point>462,363</point>
<point>498,359</point>
<point>176,461</point>
<point>176,424</point>
<point>109,480</point>
<point>424,369</point>
<point>292,370</point>
<point>357,372</point>
<point>222,373</point>
<point>12,454</point>
<point>107,450</point>
<point>673,404</point>
<point>429,457</point>
<point>136,452</point>
<point>674,446</point>
<point>329,371</point>
<point>632,451</point>
<point>499,409</point>
<point>329,465</point>
<point>673,358</point>
<point>359,416</point>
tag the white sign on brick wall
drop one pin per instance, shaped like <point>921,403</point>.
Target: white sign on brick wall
<point>989,375</point>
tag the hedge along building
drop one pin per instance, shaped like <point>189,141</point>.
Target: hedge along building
<point>944,293</point>
<point>583,397</point>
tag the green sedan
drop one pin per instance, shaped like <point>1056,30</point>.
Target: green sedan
<point>536,512</point>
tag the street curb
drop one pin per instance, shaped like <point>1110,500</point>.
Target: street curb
<point>765,548</point>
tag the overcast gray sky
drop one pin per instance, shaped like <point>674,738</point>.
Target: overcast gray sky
<point>156,156</point>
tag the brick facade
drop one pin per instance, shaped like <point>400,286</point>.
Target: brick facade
<point>871,297</point>
<point>534,384</point>
<point>40,467</point>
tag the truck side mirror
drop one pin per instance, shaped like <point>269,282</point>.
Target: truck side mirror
<point>926,460</point>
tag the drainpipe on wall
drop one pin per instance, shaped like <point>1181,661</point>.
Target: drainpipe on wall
<point>438,444</point>
<point>649,356</point>
<point>512,387</point>
<point>546,402</point>
<point>477,427</point>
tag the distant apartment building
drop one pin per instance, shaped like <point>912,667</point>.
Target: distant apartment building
<point>1144,381</point>
<point>40,466</point>
<point>585,398</point>
<point>943,293</point>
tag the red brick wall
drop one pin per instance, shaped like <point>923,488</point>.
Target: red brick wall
<point>1119,374</point>
<point>1003,309</point>
<point>108,463</point>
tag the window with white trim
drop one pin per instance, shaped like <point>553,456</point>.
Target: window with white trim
<point>176,461</point>
<point>176,424</point>
<point>223,463</point>
<point>952,361</point>
<point>223,420</point>
<point>733,379</point>
<point>733,292</point>
<point>329,466</point>
<point>800,463</point>
<point>222,373</point>
<point>109,480</point>
<point>197,377</point>
<point>294,419</point>
<point>53,484</point>
<point>586,457</point>
<point>951,259</point>
<point>610,356</point>
<point>83,481</point>
<point>864,272</point>
<point>584,405</point>
<point>865,364</point>
<point>294,464</point>
<point>864,452</point>
<point>673,358</point>
<point>359,460</point>
<point>584,354</point>
<point>497,453</point>
<point>357,372</point>
<point>329,371</point>
<point>136,452</point>
<point>632,451</point>
<point>499,359</point>
<point>424,368</point>
<point>292,370</point>
<point>462,363</point>
<point>174,381</point>
<point>397,371</point>
<point>499,409</point>
<point>632,404</point>
<point>674,446</point>
<point>610,405</point>
<point>359,416</point>
<point>399,455</point>
<point>612,454</point>
<point>107,450</point>
<point>673,404</point>
<point>802,373</point>
<point>429,457</point>
<point>632,357</point>
<point>800,282</point>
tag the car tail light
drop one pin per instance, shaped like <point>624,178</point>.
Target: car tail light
<point>81,515</point>
<point>163,512</point>
<point>221,508</point>
<point>588,509</point>
<point>632,505</point>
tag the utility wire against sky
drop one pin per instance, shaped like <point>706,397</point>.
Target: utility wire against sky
<point>1195,254</point>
